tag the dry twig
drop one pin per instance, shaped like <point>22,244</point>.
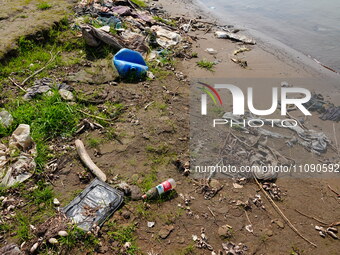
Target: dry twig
<point>282,214</point>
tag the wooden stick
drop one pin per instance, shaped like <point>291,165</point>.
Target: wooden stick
<point>311,217</point>
<point>16,84</point>
<point>94,116</point>
<point>84,156</point>
<point>336,193</point>
<point>282,214</point>
<point>41,69</point>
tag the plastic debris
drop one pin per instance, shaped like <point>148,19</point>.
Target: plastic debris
<point>235,37</point>
<point>130,63</point>
<point>94,36</point>
<point>39,87</point>
<point>10,249</point>
<point>6,118</point>
<point>94,205</point>
<point>166,38</point>
<point>311,140</point>
<point>240,50</point>
<point>18,168</point>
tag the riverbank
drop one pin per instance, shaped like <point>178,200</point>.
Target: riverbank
<point>138,134</point>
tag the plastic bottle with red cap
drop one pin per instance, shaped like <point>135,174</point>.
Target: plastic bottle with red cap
<point>165,186</point>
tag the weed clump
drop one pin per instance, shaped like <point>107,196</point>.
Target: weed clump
<point>206,64</point>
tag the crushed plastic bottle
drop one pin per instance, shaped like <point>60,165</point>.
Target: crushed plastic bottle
<point>165,186</point>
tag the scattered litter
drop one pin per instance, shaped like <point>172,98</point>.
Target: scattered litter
<point>249,228</point>
<point>56,202</point>
<point>166,38</point>
<point>10,249</point>
<point>202,242</point>
<point>17,160</point>
<point>130,63</point>
<point>233,249</point>
<point>165,186</point>
<point>94,205</point>
<point>233,36</point>
<point>273,190</point>
<point>94,36</point>
<point>6,118</point>
<point>332,231</point>
<point>151,224</point>
<point>240,50</point>
<point>240,62</point>
<point>332,113</point>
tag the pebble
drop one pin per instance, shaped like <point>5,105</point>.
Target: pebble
<point>151,224</point>
<point>53,241</point>
<point>62,233</point>
<point>268,232</point>
<point>165,231</point>
<point>279,223</point>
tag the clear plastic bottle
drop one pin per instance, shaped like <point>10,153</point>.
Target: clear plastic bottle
<point>165,186</point>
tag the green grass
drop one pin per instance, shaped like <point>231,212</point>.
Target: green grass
<point>165,21</point>
<point>140,3</point>
<point>44,6</point>
<point>124,234</point>
<point>42,195</point>
<point>48,117</point>
<point>23,232</point>
<point>78,238</point>
<point>94,142</point>
<point>205,64</point>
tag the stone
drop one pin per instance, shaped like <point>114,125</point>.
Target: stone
<point>279,223</point>
<point>225,231</point>
<point>62,233</point>
<point>268,232</point>
<point>136,193</point>
<point>66,95</point>
<point>53,241</point>
<point>165,231</point>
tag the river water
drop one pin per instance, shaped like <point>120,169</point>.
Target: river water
<point>309,26</point>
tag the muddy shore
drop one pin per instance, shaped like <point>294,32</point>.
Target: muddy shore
<point>141,152</point>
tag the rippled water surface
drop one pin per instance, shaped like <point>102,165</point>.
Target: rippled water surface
<point>309,26</point>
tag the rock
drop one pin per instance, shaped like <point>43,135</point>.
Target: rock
<point>136,193</point>
<point>225,231</point>
<point>34,247</point>
<point>279,223</point>
<point>165,231</point>
<point>268,232</point>
<point>56,202</point>
<point>66,95</point>
<point>53,241</point>
<point>62,233</point>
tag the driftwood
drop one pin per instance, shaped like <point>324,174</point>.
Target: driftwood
<point>93,37</point>
<point>85,158</point>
